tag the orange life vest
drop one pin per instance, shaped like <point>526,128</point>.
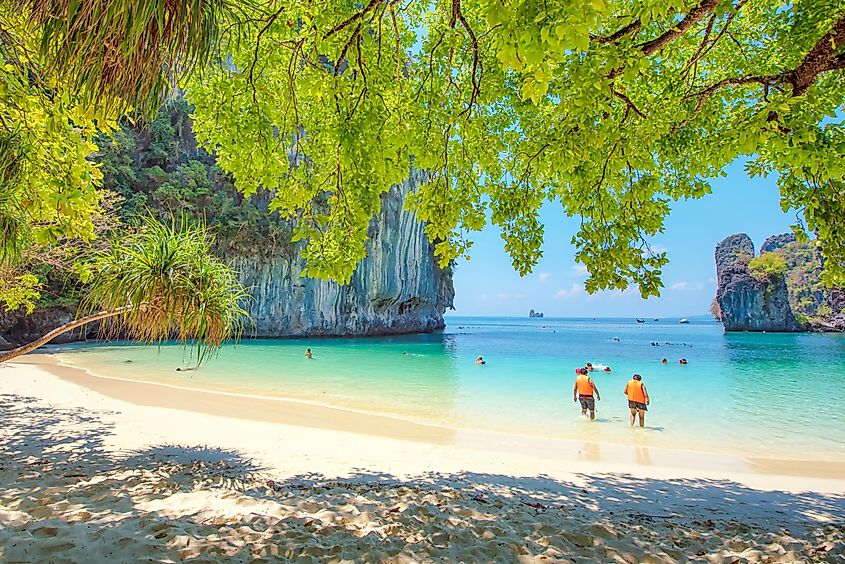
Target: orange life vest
<point>585,387</point>
<point>635,391</point>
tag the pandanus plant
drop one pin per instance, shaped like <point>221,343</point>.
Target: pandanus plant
<point>157,284</point>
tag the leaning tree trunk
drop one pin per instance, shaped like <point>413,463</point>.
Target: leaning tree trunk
<point>29,347</point>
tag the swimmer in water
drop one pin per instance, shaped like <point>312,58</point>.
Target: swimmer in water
<point>683,361</point>
<point>480,361</point>
<point>308,354</point>
<point>664,361</point>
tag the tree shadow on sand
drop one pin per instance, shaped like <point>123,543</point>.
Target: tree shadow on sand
<point>65,495</point>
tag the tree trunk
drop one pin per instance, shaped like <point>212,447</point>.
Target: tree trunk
<point>29,347</point>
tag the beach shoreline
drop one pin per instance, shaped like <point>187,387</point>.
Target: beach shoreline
<point>86,475</point>
<point>634,458</point>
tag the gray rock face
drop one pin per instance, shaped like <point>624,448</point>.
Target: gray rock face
<point>776,242</point>
<point>398,288</point>
<point>17,328</point>
<point>748,304</point>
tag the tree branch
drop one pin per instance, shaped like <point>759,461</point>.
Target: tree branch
<point>822,57</point>
<point>693,17</point>
<point>630,29</point>
<point>705,94</point>
<point>352,19</point>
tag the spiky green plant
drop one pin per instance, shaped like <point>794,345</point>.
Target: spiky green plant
<point>117,52</point>
<point>160,283</point>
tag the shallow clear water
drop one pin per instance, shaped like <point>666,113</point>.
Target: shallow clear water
<point>775,395</point>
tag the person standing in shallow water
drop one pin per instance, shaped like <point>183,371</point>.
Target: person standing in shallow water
<point>583,392</point>
<point>637,399</point>
<point>308,354</point>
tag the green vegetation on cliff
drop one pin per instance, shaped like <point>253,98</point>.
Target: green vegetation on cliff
<point>767,266</point>
<point>157,168</point>
<point>808,295</point>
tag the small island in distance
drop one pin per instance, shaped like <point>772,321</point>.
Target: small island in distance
<point>533,313</point>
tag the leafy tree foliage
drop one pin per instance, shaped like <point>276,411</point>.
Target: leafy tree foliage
<point>611,108</point>
<point>47,185</point>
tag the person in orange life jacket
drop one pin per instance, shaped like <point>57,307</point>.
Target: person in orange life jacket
<point>583,391</point>
<point>637,398</point>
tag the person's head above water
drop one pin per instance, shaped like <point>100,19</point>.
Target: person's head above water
<point>664,361</point>
<point>637,377</point>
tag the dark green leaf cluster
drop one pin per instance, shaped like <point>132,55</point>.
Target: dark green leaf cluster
<point>157,168</point>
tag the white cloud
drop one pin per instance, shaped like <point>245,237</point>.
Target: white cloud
<point>543,276</point>
<point>503,296</point>
<point>519,296</point>
<point>633,290</point>
<point>573,290</point>
<point>687,286</point>
<point>580,269</point>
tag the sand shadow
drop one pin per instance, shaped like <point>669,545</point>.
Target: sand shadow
<point>56,474</point>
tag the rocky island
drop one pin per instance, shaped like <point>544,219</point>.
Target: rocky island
<point>778,290</point>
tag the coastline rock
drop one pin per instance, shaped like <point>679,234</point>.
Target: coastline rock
<point>533,313</point>
<point>16,328</point>
<point>398,288</point>
<point>746,303</point>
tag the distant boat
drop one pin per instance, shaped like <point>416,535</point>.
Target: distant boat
<point>656,319</point>
<point>640,320</point>
<point>684,320</point>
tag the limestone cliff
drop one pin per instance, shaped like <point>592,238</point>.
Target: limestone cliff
<point>398,288</point>
<point>745,302</point>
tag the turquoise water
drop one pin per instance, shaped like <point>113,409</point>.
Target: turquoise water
<point>774,395</point>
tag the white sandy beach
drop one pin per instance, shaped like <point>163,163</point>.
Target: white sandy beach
<point>96,469</point>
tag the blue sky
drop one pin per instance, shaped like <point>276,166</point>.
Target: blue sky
<point>488,285</point>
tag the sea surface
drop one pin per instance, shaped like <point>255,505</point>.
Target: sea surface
<point>749,394</point>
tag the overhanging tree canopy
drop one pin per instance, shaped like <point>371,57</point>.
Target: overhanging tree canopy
<point>613,108</point>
